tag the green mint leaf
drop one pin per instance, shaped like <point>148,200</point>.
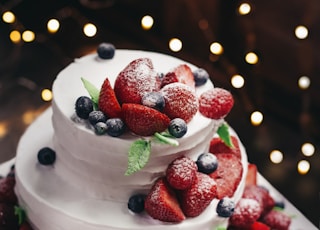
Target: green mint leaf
<point>224,134</point>
<point>18,211</point>
<point>221,228</point>
<point>138,157</point>
<point>165,138</point>
<point>92,90</point>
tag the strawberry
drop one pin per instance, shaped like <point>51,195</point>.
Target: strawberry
<point>181,173</point>
<point>215,103</point>
<point>251,178</point>
<point>259,226</point>
<point>228,174</point>
<point>218,146</point>
<point>8,219</point>
<point>108,102</point>
<point>195,199</point>
<point>182,73</point>
<point>277,220</point>
<point>161,203</point>
<point>143,120</point>
<point>246,212</point>
<point>135,80</point>
<point>7,194</point>
<point>180,101</point>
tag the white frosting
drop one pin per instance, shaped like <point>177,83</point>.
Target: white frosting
<point>86,188</point>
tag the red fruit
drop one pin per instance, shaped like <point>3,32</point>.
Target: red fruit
<point>246,212</point>
<point>137,79</point>
<point>227,175</point>
<point>251,178</point>
<point>277,220</point>
<point>182,73</point>
<point>8,220</point>
<point>195,199</point>
<point>180,101</point>
<point>7,194</point>
<point>215,103</point>
<point>108,102</point>
<point>181,173</point>
<point>259,226</point>
<point>143,120</point>
<point>161,203</point>
<point>218,146</point>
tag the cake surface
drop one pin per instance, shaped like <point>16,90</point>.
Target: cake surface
<point>86,187</point>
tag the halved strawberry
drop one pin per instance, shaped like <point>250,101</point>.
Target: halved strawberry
<point>161,203</point>
<point>108,102</point>
<point>195,199</point>
<point>135,80</point>
<point>218,146</point>
<point>7,194</point>
<point>180,101</point>
<point>277,220</point>
<point>143,120</point>
<point>215,103</point>
<point>228,174</point>
<point>182,73</point>
<point>259,226</point>
<point>251,178</point>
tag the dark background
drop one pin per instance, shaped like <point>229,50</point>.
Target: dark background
<point>291,115</point>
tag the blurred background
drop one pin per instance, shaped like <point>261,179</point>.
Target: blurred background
<point>265,52</point>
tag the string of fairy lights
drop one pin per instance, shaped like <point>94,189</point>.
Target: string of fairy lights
<point>175,45</point>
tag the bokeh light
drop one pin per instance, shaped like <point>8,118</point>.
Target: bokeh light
<point>216,48</point>
<point>303,167</point>
<point>256,118</point>
<point>175,44</point>
<point>244,8</point>
<point>15,36</point>
<point>46,95</point>
<point>307,149</point>
<point>53,25</point>
<point>90,30</point>
<point>28,36</point>
<point>251,58</point>
<point>8,17</point>
<point>304,82</point>
<point>237,81</point>
<point>276,156</point>
<point>301,32</point>
<point>147,22</point>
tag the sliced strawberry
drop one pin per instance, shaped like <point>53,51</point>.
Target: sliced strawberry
<point>161,203</point>
<point>108,102</point>
<point>277,220</point>
<point>7,194</point>
<point>143,120</point>
<point>137,79</point>
<point>251,178</point>
<point>218,146</point>
<point>215,103</point>
<point>181,173</point>
<point>182,73</point>
<point>259,226</point>
<point>197,198</point>
<point>227,175</point>
<point>180,101</point>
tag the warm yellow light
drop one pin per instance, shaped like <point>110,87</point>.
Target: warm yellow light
<point>216,48</point>
<point>307,149</point>
<point>237,81</point>
<point>304,82</point>
<point>53,25</point>
<point>8,17</point>
<point>251,58</point>
<point>244,9</point>
<point>175,44</point>
<point>15,36</point>
<point>256,118</point>
<point>28,36</point>
<point>147,22</point>
<point>303,167</point>
<point>301,32</point>
<point>276,156</point>
<point>28,117</point>
<point>89,30</point>
<point>46,95</point>
<point>3,129</point>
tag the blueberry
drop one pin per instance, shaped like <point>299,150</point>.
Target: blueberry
<point>178,127</point>
<point>100,128</point>
<point>225,207</point>
<point>153,100</point>
<point>200,76</point>
<point>46,156</point>
<point>96,116</point>
<point>207,163</point>
<point>136,203</point>
<point>115,127</point>
<point>83,106</point>
<point>106,50</point>
<point>279,204</point>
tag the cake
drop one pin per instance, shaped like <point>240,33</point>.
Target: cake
<point>88,186</point>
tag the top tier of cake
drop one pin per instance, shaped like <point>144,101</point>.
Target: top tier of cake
<point>97,164</point>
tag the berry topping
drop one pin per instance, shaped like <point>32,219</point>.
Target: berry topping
<point>162,203</point>
<point>106,50</point>
<point>182,73</point>
<point>178,127</point>
<point>201,76</point>
<point>137,79</point>
<point>181,173</point>
<point>108,102</point>
<point>46,156</point>
<point>96,116</point>
<point>7,194</point>
<point>217,145</point>
<point>83,106</point>
<point>277,220</point>
<point>115,127</point>
<point>195,199</point>
<point>251,178</point>
<point>100,128</point>
<point>136,203</point>
<point>181,101</point>
<point>215,103</point>
<point>143,120</point>
<point>8,219</point>
<point>259,226</point>
<point>207,163</point>
<point>153,100</point>
<point>225,207</point>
